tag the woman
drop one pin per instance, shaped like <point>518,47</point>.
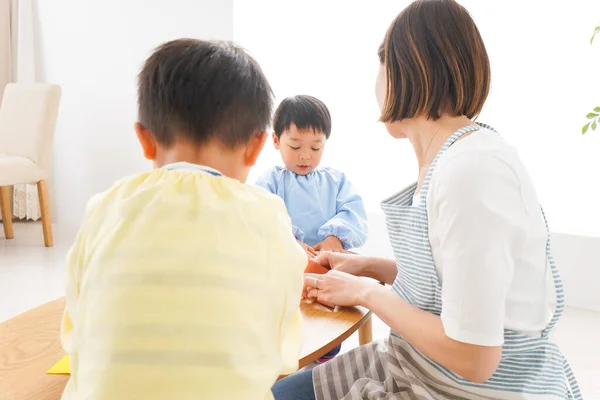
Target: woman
<point>469,309</point>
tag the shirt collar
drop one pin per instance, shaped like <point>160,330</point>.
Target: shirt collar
<point>189,167</point>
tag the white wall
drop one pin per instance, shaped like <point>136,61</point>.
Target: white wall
<point>94,50</point>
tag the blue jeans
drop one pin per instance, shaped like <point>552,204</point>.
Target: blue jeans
<point>298,386</point>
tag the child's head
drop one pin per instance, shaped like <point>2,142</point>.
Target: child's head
<point>203,102</point>
<point>302,124</point>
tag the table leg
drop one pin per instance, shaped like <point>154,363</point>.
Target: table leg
<point>365,332</point>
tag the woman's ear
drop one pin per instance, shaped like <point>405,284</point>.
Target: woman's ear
<point>254,148</point>
<point>147,141</point>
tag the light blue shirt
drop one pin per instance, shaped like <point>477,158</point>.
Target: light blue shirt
<point>320,204</point>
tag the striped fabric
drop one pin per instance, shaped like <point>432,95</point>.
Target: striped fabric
<point>531,368</point>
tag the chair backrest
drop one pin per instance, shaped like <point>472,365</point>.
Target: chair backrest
<point>27,121</point>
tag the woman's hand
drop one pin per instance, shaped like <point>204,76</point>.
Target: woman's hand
<point>341,261</point>
<point>337,288</point>
<point>381,269</point>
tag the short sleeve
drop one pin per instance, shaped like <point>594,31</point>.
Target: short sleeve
<point>477,222</point>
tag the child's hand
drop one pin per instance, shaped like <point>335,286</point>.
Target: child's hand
<point>309,250</point>
<point>330,243</point>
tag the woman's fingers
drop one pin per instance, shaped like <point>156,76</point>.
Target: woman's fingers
<point>312,284</point>
<point>324,258</point>
<point>329,277</point>
<point>324,282</point>
<point>311,280</point>
<point>320,296</point>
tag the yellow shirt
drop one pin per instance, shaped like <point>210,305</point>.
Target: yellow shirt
<point>182,285</point>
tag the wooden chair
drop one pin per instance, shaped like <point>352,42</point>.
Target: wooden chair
<point>27,120</point>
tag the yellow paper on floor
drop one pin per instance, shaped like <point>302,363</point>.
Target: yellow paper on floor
<point>62,367</point>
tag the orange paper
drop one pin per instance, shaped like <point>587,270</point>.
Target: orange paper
<point>315,268</point>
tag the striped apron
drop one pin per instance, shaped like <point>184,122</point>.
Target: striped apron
<point>530,368</point>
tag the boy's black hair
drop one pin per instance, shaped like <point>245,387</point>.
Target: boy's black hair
<point>196,91</point>
<point>306,112</point>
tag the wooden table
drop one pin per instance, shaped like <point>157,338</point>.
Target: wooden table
<point>30,345</point>
<point>325,329</point>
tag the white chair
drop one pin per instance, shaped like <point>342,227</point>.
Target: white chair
<point>27,120</point>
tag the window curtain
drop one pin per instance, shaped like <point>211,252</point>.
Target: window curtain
<point>5,45</point>
<point>25,197</point>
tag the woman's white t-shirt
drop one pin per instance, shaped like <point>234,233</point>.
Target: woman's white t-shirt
<point>488,239</point>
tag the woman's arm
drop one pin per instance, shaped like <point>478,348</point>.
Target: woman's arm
<point>381,269</point>
<point>378,268</point>
<point>426,333</point>
<point>420,328</point>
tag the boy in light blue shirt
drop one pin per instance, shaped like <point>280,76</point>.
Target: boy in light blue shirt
<point>326,211</point>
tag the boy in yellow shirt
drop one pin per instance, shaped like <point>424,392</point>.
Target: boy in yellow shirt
<point>184,282</point>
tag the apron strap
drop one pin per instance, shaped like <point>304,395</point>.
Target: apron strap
<point>574,390</point>
<point>558,284</point>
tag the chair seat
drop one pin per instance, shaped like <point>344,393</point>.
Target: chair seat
<point>14,169</point>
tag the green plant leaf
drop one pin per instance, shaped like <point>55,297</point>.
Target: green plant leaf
<point>585,128</point>
<point>596,30</point>
<point>594,125</point>
<point>597,109</point>
<point>591,115</point>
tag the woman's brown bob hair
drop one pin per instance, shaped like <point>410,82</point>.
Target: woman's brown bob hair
<point>435,62</point>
